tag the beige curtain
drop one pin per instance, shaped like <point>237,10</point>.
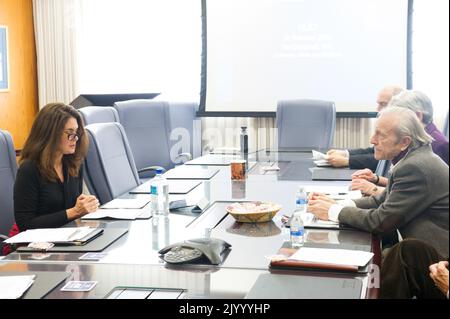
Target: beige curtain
<point>55,25</point>
<point>223,132</point>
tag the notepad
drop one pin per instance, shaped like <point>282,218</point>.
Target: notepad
<point>52,235</point>
<point>13,287</point>
<point>319,156</point>
<point>333,256</point>
<point>128,214</point>
<point>127,203</point>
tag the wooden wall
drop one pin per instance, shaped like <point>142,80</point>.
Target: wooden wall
<point>19,106</point>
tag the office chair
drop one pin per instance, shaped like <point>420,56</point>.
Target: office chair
<point>109,169</point>
<point>184,121</point>
<point>147,124</point>
<point>383,168</point>
<point>8,171</point>
<point>98,114</point>
<point>305,123</point>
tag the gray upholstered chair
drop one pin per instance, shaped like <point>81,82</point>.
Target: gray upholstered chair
<point>305,123</point>
<point>8,171</point>
<point>98,114</point>
<point>185,124</point>
<point>383,168</point>
<point>109,169</point>
<point>148,126</point>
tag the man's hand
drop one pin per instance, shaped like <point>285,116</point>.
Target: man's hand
<point>364,186</point>
<point>366,174</point>
<point>439,274</point>
<point>337,160</point>
<point>319,206</point>
<point>337,152</point>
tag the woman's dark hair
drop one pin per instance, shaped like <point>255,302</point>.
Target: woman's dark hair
<point>45,137</point>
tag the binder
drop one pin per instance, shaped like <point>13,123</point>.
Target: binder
<point>286,264</point>
<point>108,237</point>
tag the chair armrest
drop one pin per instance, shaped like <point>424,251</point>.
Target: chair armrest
<point>188,157</point>
<point>151,168</point>
<point>208,148</point>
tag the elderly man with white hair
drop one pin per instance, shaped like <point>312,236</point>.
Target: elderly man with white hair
<point>365,180</point>
<point>415,201</point>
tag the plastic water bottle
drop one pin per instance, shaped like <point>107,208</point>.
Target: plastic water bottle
<point>297,230</point>
<point>297,226</point>
<point>301,200</point>
<point>159,189</point>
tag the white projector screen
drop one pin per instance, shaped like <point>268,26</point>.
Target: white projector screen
<point>263,51</point>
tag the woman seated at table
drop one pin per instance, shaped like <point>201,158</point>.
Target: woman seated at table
<point>48,187</point>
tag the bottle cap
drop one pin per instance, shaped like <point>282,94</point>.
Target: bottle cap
<point>159,171</point>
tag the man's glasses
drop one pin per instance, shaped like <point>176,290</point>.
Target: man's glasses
<point>71,136</point>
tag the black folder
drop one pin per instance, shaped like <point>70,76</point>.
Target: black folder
<point>44,282</point>
<point>277,286</point>
<point>332,174</point>
<point>98,244</point>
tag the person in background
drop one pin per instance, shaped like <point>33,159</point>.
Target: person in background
<point>414,269</point>
<point>363,157</point>
<point>415,202</point>
<point>48,187</point>
<point>368,182</point>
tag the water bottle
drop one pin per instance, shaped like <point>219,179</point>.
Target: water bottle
<point>244,140</point>
<point>301,200</point>
<point>297,230</point>
<point>297,225</point>
<point>159,190</point>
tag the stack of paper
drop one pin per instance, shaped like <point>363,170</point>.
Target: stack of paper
<point>128,203</point>
<point>51,235</point>
<point>13,287</point>
<point>333,256</point>
<point>129,214</point>
<point>309,219</point>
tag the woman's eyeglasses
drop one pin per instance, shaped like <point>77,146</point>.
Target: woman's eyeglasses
<point>71,136</point>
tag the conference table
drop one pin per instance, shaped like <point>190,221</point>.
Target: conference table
<point>133,259</point>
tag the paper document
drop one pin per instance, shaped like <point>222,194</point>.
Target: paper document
<point>319,156</point>
<point>309,219</point>
<point>129,214</point>
<point>322,163</point>
<point>345,195</point>
<point>129,203</point>
<point>333,256</point>
<point>51,235</point>
<point>13,287</point>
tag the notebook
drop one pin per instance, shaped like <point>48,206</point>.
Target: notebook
<point>321,257</point>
